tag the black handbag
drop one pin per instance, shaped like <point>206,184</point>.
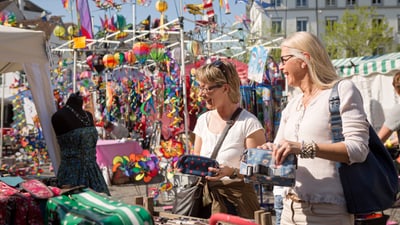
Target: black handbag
<point>369,186</point>
<point>190,201</point>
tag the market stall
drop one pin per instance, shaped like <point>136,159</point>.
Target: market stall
<point>22,49</point>
<point>373,76</point>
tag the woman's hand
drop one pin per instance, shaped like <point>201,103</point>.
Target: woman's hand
<point>283,149</point>
<point>268,146</point>
<point>220,172</point>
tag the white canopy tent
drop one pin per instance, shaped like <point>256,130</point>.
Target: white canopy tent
<point>22,49</point>
<point>373,75</point>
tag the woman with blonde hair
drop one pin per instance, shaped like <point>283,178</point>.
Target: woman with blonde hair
<point>304,130</point>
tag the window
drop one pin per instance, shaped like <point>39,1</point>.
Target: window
<point>301,3</point>
<point>377,21</point>
<point>276,2</point>
<point>301,24</point>
<point>376,2</point>
<point>380,50</point>
<point>276,26</point>
<point>330,3</point>
<point>351,2</point>
<point>330,22</point>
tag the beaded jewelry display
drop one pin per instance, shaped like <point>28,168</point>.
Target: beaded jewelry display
<point>84,119</point>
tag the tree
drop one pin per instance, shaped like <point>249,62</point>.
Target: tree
<point>360,32</point>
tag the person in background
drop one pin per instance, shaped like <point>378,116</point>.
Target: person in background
<point>115,130</point>
<point>392,125</point>
<point>392,121</point>
<point>317,196</point>
<point>219,86</point>
<point>77,138</point>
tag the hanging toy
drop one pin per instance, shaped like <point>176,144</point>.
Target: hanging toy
<point>162,6</point>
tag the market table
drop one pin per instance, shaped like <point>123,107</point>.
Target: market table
<point>106,150</point>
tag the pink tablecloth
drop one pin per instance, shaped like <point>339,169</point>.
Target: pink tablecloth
<point>106,150</point>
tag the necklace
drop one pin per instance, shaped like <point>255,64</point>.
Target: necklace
<point>307,99</point>
<point>84,119</point>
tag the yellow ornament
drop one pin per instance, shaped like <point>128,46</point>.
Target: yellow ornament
<point>73,30</point>
<point>161,6</point>
<point>59,31</point>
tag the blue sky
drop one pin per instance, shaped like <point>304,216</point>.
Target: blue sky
<point>173,12</point>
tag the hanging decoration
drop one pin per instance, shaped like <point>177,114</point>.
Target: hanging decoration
<point>73,30</point>
<point>109,61</point>
<point>157,52</point>
<point>194,48</point>
<point>130,57</point>
<point>162,6</point>
<point>59,31</point>
<point>119,58</point>
<point>141,51</point>
<point>194,9</point>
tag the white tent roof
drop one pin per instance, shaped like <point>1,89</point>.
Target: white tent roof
<point>26,50</point>
<point>368,65</point>
<point>373,76</point>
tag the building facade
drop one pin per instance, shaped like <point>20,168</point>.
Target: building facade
<point>279,18</point>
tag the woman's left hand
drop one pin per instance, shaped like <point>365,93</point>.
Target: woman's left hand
<point>220,172</point>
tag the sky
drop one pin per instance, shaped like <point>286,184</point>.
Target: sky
<point>173,12</point>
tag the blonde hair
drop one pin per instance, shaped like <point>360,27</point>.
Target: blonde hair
<point>320,67</point>
<point>221,72</point>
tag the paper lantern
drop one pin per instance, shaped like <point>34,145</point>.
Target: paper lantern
<point>130,57</point>
<point>141,51</point>
<point>157,52</point>
<point>59,31</point>
<point>194,48</point>
<point>73,30</point>
<point>109,61</point>
<point>89,61</point>
<point>161,6</point>
<point>119,58</point>
<point>85,74</point>
<point>97,63</point>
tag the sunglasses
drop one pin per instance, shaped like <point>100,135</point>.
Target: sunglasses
<point>221,66</point>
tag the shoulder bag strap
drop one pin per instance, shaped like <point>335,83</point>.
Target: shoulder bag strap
<point>336,119</point>
<point>229,124</point>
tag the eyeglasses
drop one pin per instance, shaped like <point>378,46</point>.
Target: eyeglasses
<point>208,89</point>
<point>285,58</point>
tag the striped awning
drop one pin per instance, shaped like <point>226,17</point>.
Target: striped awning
<point>367,65</point>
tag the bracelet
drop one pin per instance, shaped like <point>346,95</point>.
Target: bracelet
<point>308,150</point>
<point>234,174</point>
<point>388,143</point>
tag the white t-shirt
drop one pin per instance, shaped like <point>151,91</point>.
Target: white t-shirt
<point>392,120</point>
<point>233,146</point>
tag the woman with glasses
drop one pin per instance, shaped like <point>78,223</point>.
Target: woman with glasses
<point>220,89</point>
<point>304,130</point>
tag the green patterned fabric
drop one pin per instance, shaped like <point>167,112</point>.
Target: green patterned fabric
<point>89,207</point>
